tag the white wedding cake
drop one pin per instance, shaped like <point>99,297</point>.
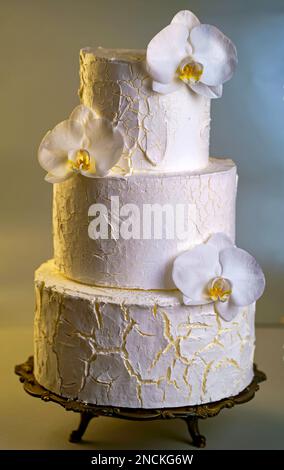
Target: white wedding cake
<point>148,302</point>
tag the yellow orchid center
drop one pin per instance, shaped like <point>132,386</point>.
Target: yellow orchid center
<point>82,160</point>
<point>219,289</point>
<point>190,72</point>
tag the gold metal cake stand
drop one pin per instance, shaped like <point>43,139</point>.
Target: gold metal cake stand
<point>190,414</point>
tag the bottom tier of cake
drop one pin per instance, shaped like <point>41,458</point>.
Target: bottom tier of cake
<point>137,349</point>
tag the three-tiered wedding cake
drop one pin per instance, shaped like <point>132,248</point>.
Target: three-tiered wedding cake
<point>147,303</point>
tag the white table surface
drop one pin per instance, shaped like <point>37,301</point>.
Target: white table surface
<point>29,423</point>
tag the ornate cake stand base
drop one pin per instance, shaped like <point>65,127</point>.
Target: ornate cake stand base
<point>190,414</point>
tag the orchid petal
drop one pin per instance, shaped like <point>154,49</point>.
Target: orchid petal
<point>65,136</point>
<point>215,52</point>
<point>54,148</point>
<point>187,18</point>
<point>82,114</point>
<point>244,273</point>
<point>207,91</point>
<point>220,241</point>
<point>50,160</point>
<point>57,179</point>
<point>193,269</point>
<point>166,88</point>
<point>165,52</point>
<point>194,303</point>
<point>227,310</point>
<point>105,145</point>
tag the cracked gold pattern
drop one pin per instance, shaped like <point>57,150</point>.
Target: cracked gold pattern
<point>161,132</point>
<point>136,349</point>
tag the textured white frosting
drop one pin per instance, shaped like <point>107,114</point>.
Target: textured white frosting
<point>161,132</point>
<point>139,263</point>
<point>136,349</point>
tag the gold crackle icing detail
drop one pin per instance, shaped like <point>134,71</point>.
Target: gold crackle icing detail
<point>127,356</point>
<point>152,124</point>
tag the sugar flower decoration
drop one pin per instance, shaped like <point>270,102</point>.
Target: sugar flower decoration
<point>84,144</point>
<point>221,273</point>
<point>187,52</point>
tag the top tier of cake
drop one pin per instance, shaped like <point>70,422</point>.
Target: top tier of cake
<point>143,111</point>
<point>162,132</point>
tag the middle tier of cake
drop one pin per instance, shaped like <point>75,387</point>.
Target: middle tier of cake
<point>126,231</point>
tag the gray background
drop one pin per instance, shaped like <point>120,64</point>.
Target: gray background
<point>40,42</point>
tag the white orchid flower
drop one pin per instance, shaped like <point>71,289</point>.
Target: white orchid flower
<point>219,272</point>
<point>187,52</point>
<point>84,144</point>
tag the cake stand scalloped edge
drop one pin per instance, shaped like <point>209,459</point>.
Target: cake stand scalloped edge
<point>190,414</point>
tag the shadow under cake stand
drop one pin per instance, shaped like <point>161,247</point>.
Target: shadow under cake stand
<point>190,414</point>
